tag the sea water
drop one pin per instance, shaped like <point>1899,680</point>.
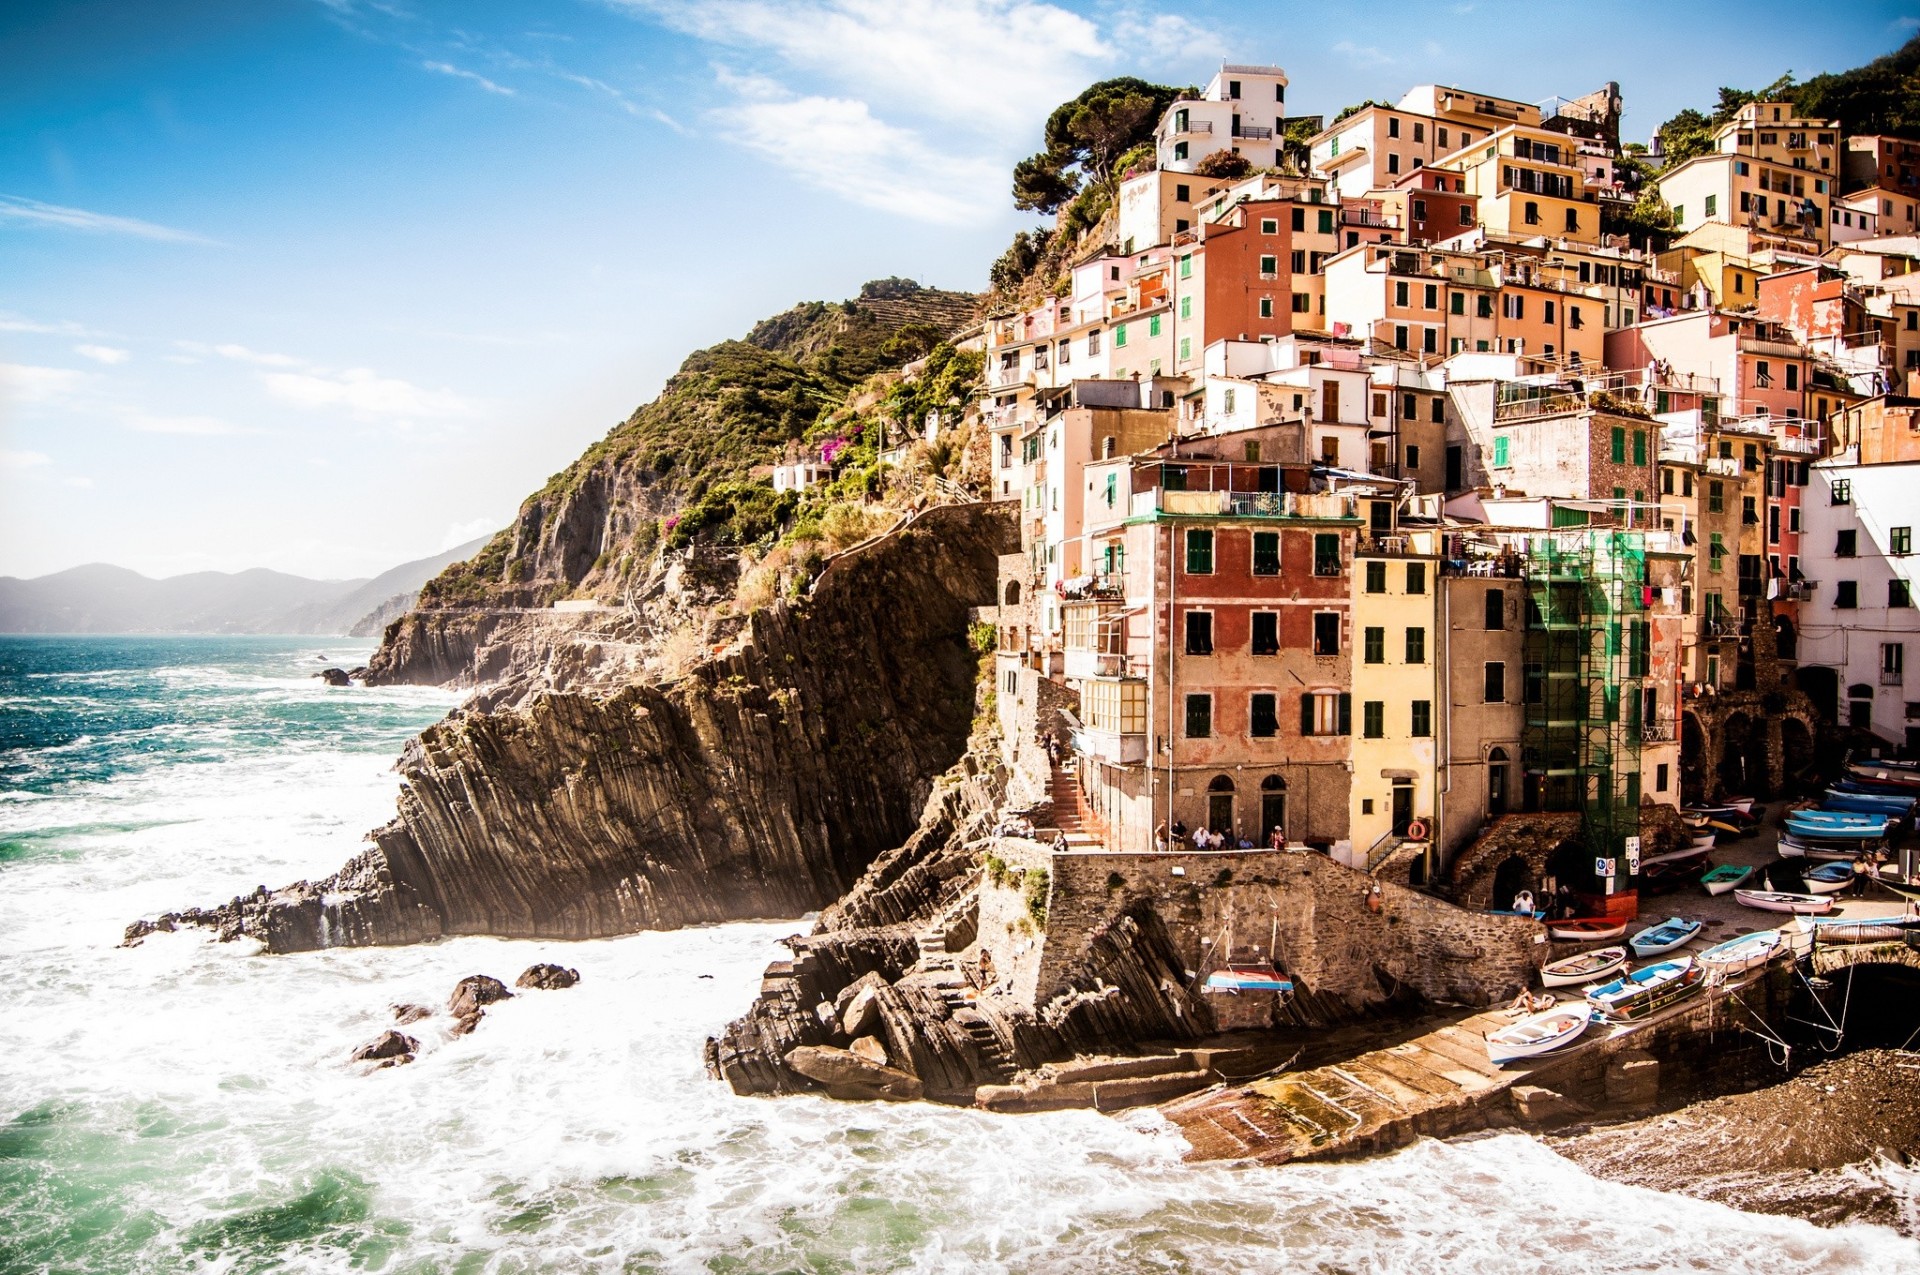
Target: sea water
<point>189,1105</point>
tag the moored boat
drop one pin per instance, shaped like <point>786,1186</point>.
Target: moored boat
<point>1742,804</point>
<point>1247,976</point>
<point>1725,878</point>
<point>1838,825</point>
<point>1882,929</point>
<point>1588,929</point>
<point>1587,967</point>
<point>1795,845</point>
<point>1828,878</point>
<point>1738,955</point>
<point>1646,991</point>
<point>1540,1034</point>
<point>1781,901</point>
<point>1869,803</point>
<point>1670,934</point>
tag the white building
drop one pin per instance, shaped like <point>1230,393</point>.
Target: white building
<point>1857,549</point>
<point>1243,108</point>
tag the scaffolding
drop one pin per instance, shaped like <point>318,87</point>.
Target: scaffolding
<point>1587,650</point>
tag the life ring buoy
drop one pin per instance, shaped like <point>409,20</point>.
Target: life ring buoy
<point>1417,830</point>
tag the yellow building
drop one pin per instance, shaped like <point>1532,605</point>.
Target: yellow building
<point>1397,709</point>
<point>1769,172</point>
<point>1528,182</point>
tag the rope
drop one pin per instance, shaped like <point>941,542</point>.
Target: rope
<point>1839,1032</point>
<point>1766,1034</point>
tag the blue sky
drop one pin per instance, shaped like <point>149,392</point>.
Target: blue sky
<point>325,285</point>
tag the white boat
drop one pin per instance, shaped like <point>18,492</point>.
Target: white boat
<point>1586,929</point>
<point>1780,901</point>
<point>1725,878</point>
<point>1881,929</point>
<point>1738,955</point>
<point>1539,1034</point>
<point>1587,967</point>
<point>1828,878</point>
<point>1647,990</point>
<point>1743,804</point>
<point>1704,842</point>
<point>1658,940</point>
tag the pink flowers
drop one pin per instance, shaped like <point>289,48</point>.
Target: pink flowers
<point>831,449</point>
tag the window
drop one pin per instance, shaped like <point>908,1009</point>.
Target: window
<point>1153,324</point>
<point>1326,713</point>
<point>1501,453</point>
<point>1376,577</point>
<point>1119,336</point>
<point>1532,217</point>
<point>1373,719</point>
<point>1495,688</point>
<point>1844,544</point>
<point>1899,593</point>
<point>1186,312</point>
<point>1374,645</point>
<point>1199,553</point>
<point>1199,716</point>
<point>1639,446</point>
<point>1266,307</point>
<point>1262,721</point>
<point>1326,554</point>
<point>1483,304</point>
<point>1716,498</point>
<point>1712,207</point>
<point>1456,303</point>
<point>1266,633</point>
<point>1269,225</point>
<point>1416,645</point>
<point>1430,297</point>
<point>1199,633</point>
<point>1266,553</point>
<point>1093,341</point>
<point>1269,266</point>
<point>1324,221</point>
<point>1619,445</point>
<point>1300,219</point>
<point>1302,302</point>
<point>1186,347</point>
<point>1899,541</point>
<point>1416,577</point>
<point>1496,610</point>
<point>1716,552</point>
<point>1181,193</point>
<point>1400,293</point>
<point>1326,633</point>
<point>1422,724</point>
<point>1413,457</point>
<point>1893,663</point>
<point>1186,265</point>
<point>1842,491</point>
<point>1846,595</point>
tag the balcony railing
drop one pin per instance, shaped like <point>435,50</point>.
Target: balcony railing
<point>1191,126</point>
<point>1893,677</point>
<point>1253,131</point>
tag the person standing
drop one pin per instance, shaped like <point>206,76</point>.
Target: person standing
<point>1859,875</point>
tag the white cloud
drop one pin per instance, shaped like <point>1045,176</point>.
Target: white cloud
<point>59,327</point>
<point>197,426</point>
<point>363,393</point>
<point>472,529</point>
<point>837,145</point>
<point>107,354</point>
<point>26,383</point>
<point>447,68</point>
<point>990,65</point>
<point>1363,54</point>
<point>24,460</point>
<point>241,354</point>
<point>1166,39</point>
<point>31,212</point>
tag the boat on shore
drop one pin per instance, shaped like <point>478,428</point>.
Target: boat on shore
<point>1869,803</point>
<point>1671,934</point>
<point>1781,901</point>
<point>1586,967</point>
<point>1839,825</point>
<point>1646,991</point>
<point>1738,955</point>
<point>1725,877</point>
<point>1542,1033</point>
<point>1247,976</point>
<point>1883,929</point>
<point>1586,929</point>
<point>1828,878</point>
<point>1800,846</point>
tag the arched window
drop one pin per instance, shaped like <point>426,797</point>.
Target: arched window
<point>1220,783</point>
<point>1013,593</point>
<point>1496,782</point>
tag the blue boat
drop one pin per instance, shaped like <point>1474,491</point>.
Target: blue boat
<point>1247,976</point>
<point>1645,991</point>
<point>1869,803</point>
<point>1828,878</point>
<point>1657,940</point>
<point>1838,823</point>
<point>1855,784</point>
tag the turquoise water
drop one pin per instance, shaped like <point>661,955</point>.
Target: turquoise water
<point>188,1106</point>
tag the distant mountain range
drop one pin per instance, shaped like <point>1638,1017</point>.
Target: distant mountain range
<point>98,598</point>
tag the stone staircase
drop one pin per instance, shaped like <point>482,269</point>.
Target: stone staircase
<point>1070,813</point>
<point>939,969</point>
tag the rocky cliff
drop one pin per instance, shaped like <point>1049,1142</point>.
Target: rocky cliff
<point>762,784</point>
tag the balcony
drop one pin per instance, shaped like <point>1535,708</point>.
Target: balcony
<point>1797,590</point>
<point>1190,127</point>
<point>1350,216</point>
<point>1253,132</point>
<point>1110,747</point>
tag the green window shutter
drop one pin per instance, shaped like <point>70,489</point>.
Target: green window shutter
<point>1186,347</point>
<point>1119,336</point>
<point>1639,446</point>
<point>1373,718</point>
<point>1346,713</point>
<point>1199,553</point>
<point>1500,450</point>
<point>1326,222</point>
<point>1422,718</point>
<point>1376,645</point>
<point>1619,445</point>
<point>1153,326</point>
<point>1186,307</point>
<point>1306,713</point>
<point>1186,266</point>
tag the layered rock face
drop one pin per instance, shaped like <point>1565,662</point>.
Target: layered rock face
<point>762,784</point>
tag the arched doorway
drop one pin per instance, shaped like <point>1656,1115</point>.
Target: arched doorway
<point>1509,879</point>
<point>1860,706</point>
<point>1273,805</point>
<point>1693,760</point>
<point>1220,805</point>
<point>1786,642</point>
<point>1821,685</point>
<point>1736,769</point>
<point>1798,765</point>
<point>1013,593</point>
<point>1498,777</point>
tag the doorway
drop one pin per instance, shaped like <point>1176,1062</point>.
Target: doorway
<point>1273,805</point>
<point>1220,806</point>
<point>1496,783</point>
<point>1402,806</point>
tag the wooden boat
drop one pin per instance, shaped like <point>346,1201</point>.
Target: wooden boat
<point>1779,901</point>
<point>1742,804</point>
<point>1663,878</point>
<point>1587,967</point>
<point>1684,853</point>
<point>1725,878</point>
<point>1838,825</point>
<point>1869,803</point>
<point>1646,991</point>
<point>1540,1034</point>
<point>1704,842</point>
<point>1828,878</point>
<point>1247,976</point>
<point>1724,814</point>
<point>1798,846</point>
<point>1892,778</point>
<point>1586,929</point>
<point>1658,940</point>
<point>1738,955</point>
<point>1883,929</point>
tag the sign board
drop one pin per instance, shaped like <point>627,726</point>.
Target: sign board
<point>1633,855</point>
<point>1603,867</point>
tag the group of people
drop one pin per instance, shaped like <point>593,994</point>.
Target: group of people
<point>1176,837</point>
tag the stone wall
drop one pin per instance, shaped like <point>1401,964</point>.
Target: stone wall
<point>1007,928</point>
<point>1345,956</point>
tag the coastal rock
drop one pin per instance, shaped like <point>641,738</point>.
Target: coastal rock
<point>392,1049</point>
<point>870,1048</point>
<point>470,994</point>
<point>404,1014</point>
<point>762,783</point>
<point>847,1074</point>
<point>547,978</point>
<point>334,677</point>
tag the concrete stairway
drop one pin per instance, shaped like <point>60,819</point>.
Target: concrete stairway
<point>1070,814</point>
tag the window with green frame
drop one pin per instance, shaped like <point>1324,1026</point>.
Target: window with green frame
<point>1153,326</point>
<point>1186,265</point>
<point>1639,446</point>
<point>1113,490</point>
<point>1326,554</point>
<point>1422,725</point>
<point>1119,335</point>
<point>1199,552</point>
<point>1326,222</point>
<point>1266,553</point>
<point>1373,642</point>
<point>1619,445</point>
<point>1373,718</point>
<point>1186,307</point>
<point>1715,552</point>
<point>1376,577</point>
<point>1186,347</point>
<point>1416,645</point>
<point>1500,452</point>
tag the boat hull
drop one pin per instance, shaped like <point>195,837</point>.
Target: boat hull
<point>1585,931</point>
<point>1725,880</point>
<point>1737,956</point>
<point>1541,1034</point>
<point>1780,901</point>
<point>1668,936</point>
<point>1588,967</point>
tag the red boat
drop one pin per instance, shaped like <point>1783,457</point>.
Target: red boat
<point>1586,929</point>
